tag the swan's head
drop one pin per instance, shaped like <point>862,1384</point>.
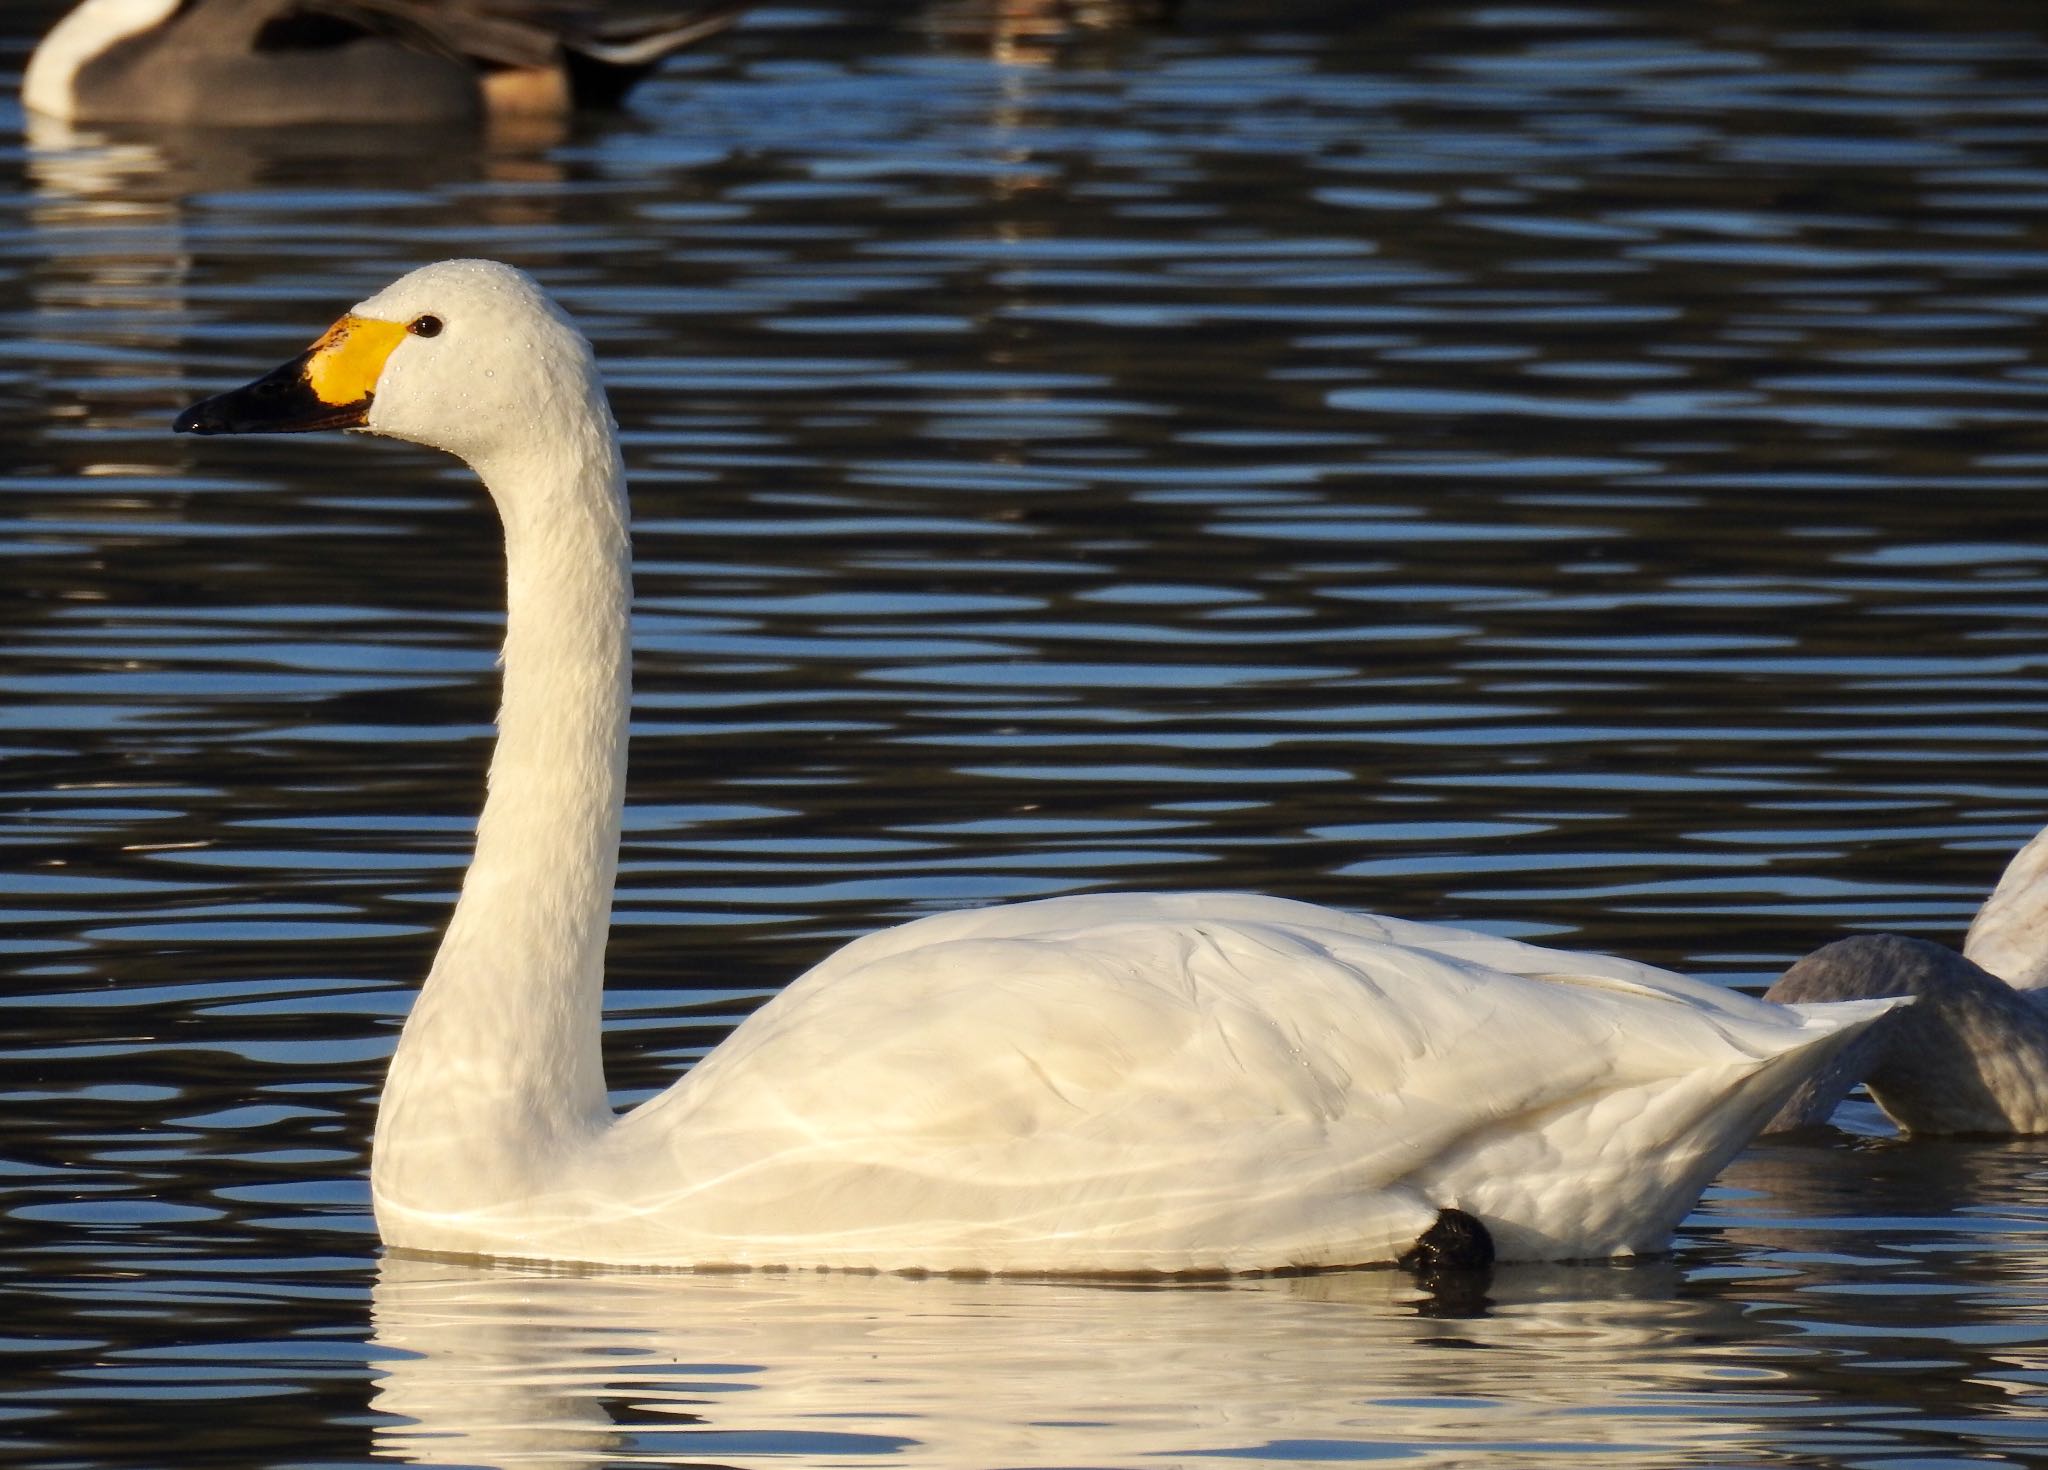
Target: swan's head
<point>468,356</point>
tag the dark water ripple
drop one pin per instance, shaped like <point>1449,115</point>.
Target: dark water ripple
<point>1572,471</point>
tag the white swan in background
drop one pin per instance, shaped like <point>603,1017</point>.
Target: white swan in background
<point>1104,1083</point>
<point>266,63</point>
<point>1971,1056</point>
<point>2009,936</point>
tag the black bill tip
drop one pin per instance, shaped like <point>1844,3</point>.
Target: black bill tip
<point>206,417</point>
<point>282,401</point>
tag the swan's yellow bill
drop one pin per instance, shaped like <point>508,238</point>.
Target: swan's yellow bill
<point>346,363</point>
<point>328,386</point>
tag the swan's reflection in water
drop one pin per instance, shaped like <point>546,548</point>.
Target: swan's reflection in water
<point>516,1367</point>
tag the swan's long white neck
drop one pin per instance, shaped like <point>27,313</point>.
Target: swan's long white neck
<point>90,30</point>
<point>499,1070</point>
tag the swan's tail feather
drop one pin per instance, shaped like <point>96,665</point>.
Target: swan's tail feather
<point>1837,1035</point>
<point>1856,1044</point>
<point>604,64</point>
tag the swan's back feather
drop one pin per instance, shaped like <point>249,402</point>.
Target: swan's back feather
<point>522,33</point>
<point>2009,936</point>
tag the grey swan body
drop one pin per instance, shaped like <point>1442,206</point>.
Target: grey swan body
<point>1971,1056</point>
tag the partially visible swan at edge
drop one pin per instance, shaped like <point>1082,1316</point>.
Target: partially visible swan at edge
<point>1971,1056</point>
<point>265,63</point>
<point>1102,1083</point>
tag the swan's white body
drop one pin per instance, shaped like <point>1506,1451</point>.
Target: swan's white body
<point>2009,936</point>
<point>1118,1083</point>
<point>1102,1083</point>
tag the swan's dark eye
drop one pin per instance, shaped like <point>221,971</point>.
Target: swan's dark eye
<point>424,326</point>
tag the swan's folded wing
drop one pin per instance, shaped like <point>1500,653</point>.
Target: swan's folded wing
<point>531,33</point>
<point>1129,1086</point>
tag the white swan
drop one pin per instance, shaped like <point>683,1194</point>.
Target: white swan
<point>269,62</point>
<point>2009,936</point>
<point>1202,1082</point>
<point>1971,1056</point>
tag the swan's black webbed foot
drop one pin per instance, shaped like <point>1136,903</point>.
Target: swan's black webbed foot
<point>1457,1242</point>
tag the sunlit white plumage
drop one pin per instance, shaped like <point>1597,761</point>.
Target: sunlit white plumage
<point>2009,936</point>
<point>1096,1083</point>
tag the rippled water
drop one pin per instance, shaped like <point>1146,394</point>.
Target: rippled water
<point>1571,470</point>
